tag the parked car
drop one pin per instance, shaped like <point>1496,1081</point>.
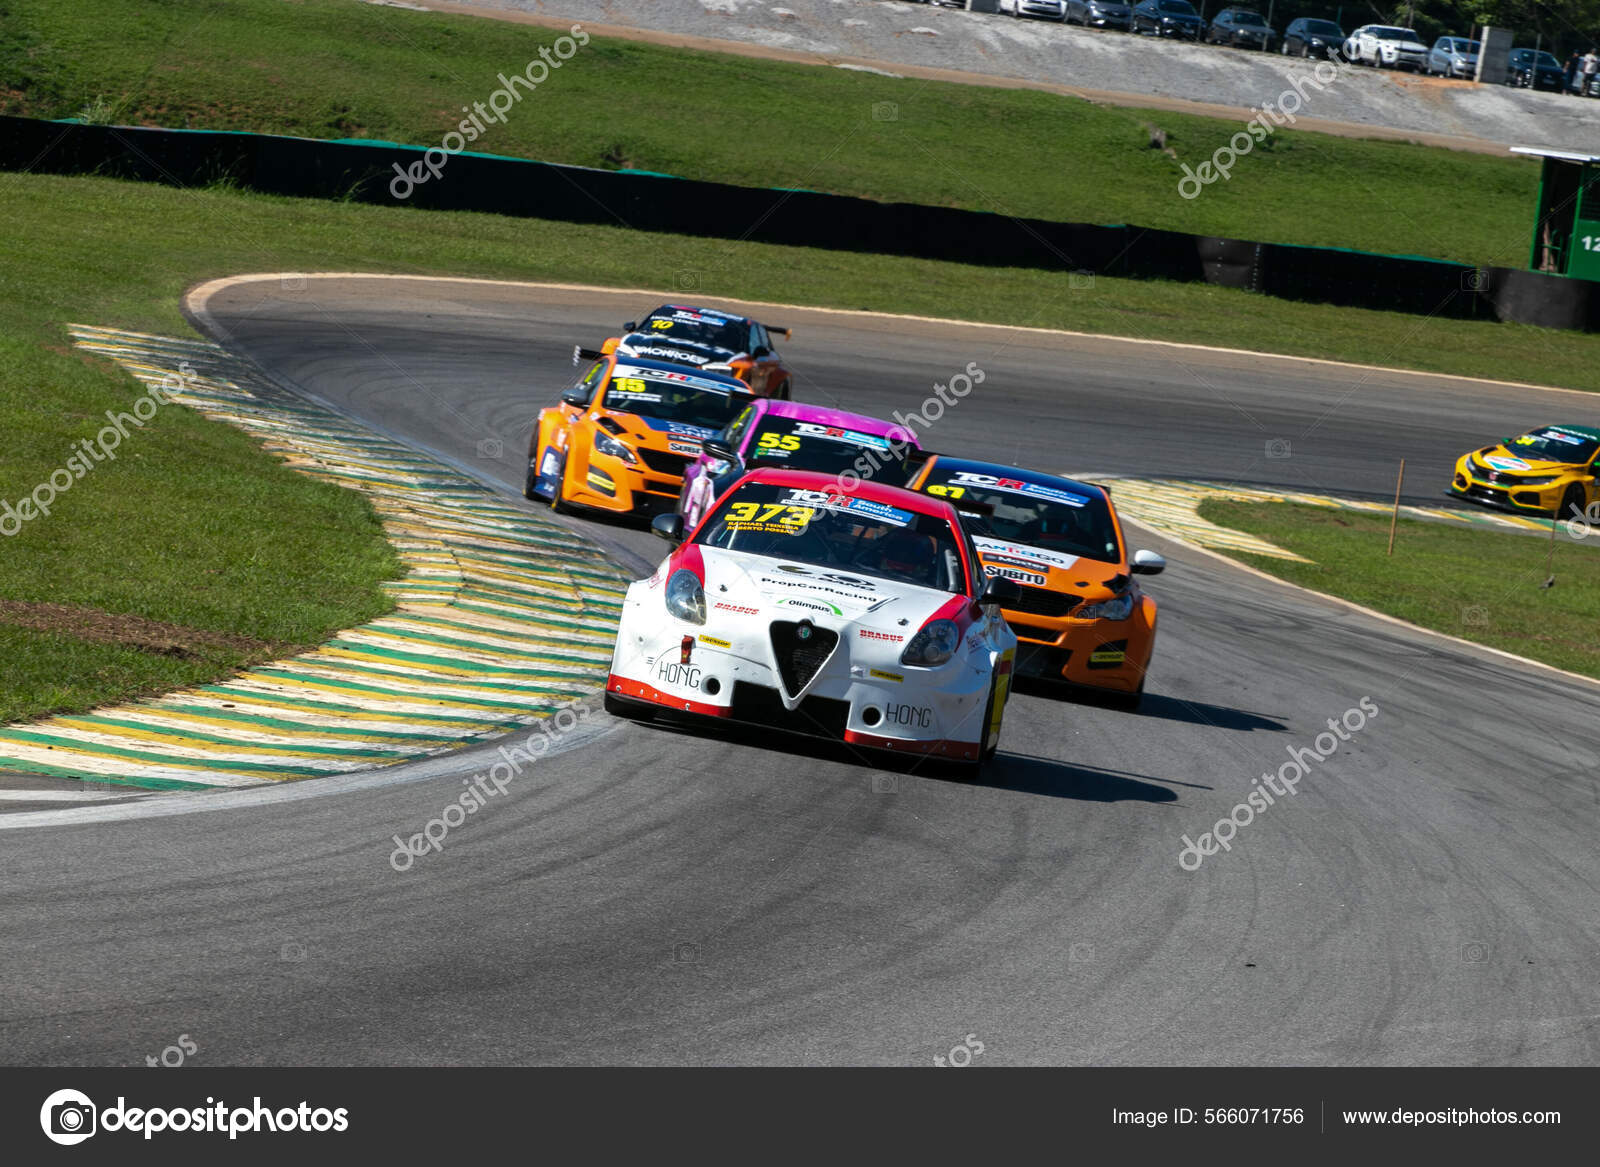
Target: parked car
<point>1533,69</point>
<point>1100,14</point>
<point>1309,37</point>
<point>1168,18</point>
<point>1452,56</point>
<point>1044,9</point>
<point>1241,27</point>
<point>1382,45</point>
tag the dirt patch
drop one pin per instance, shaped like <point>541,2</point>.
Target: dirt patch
<point>103,627</point>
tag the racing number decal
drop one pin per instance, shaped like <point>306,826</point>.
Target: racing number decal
<point>794,518</point>
<point>661,324</point>
<point>779,442</point>
<point>630,385</point>
<point>948,491</point>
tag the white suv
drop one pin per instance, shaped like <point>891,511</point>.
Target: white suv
<point>1385,45</point>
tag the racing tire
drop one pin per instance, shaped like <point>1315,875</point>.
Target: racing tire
<point>1305,51</point>
<point>529,483</point>
<point>988,752</point>
<point>627,710</point>
<point>1572,503</point>
<point>557,502</point>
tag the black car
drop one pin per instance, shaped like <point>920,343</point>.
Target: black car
<point>1168,18</point>
<point>1100,13</point>
<point>1241,27</point>
<point>1533,69</point>
<point>1309,37</point>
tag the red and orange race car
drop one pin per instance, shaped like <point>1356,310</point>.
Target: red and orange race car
<point>711,341</point>
<point>619,439</point>
<point>1082,617</point>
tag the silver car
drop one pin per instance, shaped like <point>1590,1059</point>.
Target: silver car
<point>1044,9</point>
<point>1452,56</point>
<point>1100,13</point>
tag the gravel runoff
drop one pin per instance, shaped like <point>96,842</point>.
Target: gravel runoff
<point>896,33</point>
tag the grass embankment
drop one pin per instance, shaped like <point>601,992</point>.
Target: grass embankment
<point>339,68</point>
<point>1480,585</point>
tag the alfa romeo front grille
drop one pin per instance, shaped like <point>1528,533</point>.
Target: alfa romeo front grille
<point>801,649</point>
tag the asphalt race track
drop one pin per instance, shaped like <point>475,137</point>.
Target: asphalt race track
<point>1429,896</point>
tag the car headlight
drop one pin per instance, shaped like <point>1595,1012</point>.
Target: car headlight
<point>607,444</point>
<point>1117,608</point>
<point>686,599</point>
<point>1545,481</point>
<point>933,646</point>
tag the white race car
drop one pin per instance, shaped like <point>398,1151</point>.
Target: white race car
<point>865,617</point>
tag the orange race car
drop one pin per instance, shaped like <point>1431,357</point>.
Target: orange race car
<point>1082,617</point>
<point>619,439</point>
<point>711,341</point>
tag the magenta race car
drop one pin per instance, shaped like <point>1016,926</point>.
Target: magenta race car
<point>797,437</point>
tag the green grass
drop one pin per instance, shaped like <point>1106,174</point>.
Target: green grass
<point>340,68</point>
<point>1478,584</point>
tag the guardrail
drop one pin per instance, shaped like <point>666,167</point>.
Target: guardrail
<point>366,171</point>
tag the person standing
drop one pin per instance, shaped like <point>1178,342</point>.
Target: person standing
<point>1572,71</point>
<point>1591,65</point>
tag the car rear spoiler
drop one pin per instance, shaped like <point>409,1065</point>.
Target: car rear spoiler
<point>579,353</point>
<point>787,333</point>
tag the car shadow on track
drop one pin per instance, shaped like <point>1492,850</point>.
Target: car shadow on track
<point>1018,773</point>
<point>1156,705</point>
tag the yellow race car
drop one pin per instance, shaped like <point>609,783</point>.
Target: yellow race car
<point>1546,471</point>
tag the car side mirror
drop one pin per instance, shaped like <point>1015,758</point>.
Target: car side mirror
<point>668,526</point>
<point>577,397</point>
<point>719,449</point>
<point>631,326</point>
<point>1000,591</point>
<point>1147,563</point>
<point>760,351</point>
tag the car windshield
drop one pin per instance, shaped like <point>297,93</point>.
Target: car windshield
<point>1252,18</point>
<point>1546,59</point>
<point>827,449</point>
<point>675,397</point>
<point>1323,28</point>
<point>839,532</point>
<point>1552,444</point>
<point>1055,517</point>
<point>1466,46</point>
<point>1176,7</point>
<point>1394,34</point>
<point>698,327</point>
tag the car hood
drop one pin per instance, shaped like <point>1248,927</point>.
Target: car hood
<point>677,436</point>
<point>783,589</point>
<point>1059,571</point>
<point>1503,459</point>
<point>670,348</point>
<point>1404,46</point>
